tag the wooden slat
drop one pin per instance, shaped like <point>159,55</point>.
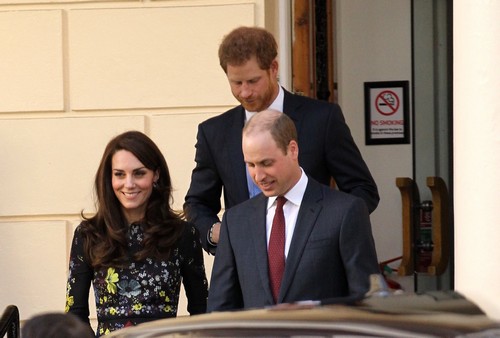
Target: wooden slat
<point>410,198</point>
<point>301,60</point>
<point>440,228</point>
<point>304,49</point>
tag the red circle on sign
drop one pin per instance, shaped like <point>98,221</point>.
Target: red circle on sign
<point>387,103</point>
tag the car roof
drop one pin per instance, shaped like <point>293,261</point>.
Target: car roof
<point>428,315</point>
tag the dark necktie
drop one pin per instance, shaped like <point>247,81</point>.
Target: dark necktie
<point>276,250</point>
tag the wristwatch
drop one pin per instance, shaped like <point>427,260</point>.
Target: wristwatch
<point>210,235</point>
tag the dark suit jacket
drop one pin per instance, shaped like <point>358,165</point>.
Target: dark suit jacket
<point>331,255</point>
<point>326,149</point>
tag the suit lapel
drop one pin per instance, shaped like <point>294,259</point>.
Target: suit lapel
<point>292,107</point>
<point>235,154</point>
<point>306,219</point>
<point>257,222</point>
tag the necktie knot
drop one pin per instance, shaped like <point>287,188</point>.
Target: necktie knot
<point>280,202</point>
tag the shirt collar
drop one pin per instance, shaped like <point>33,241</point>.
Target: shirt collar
<point>295,194</point>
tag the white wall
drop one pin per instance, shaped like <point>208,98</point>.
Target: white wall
<point>374,44</point>
<point>477,152</point>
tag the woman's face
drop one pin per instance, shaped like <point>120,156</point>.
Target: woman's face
<point>132,183</point>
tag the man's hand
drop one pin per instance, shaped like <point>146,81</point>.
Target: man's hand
<point>215,233</point>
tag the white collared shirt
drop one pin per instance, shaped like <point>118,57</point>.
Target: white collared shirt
<point>290,210</point>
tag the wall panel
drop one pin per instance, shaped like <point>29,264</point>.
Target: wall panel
<point>175,134</point>
<point>33,265</point>
<point>31,61</point>
<point>134,58</point>
<point>50,163</point>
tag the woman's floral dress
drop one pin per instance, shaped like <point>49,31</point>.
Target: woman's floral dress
<point>143,291</point>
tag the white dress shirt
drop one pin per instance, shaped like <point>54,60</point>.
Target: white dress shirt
<point>290,210</point>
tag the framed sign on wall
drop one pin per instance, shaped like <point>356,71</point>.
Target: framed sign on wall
<point>387,112</point>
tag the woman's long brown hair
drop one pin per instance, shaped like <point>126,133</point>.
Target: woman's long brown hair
<point>105,234</point>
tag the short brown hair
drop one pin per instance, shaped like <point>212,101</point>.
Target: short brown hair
<point>279,125</point>
<point>56,325</point>
<point>244,42</point>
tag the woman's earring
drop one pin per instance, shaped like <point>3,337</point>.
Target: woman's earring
<point>155,184</point>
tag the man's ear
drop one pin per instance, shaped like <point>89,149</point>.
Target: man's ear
<point>274,67</point>
<point>293,149</point>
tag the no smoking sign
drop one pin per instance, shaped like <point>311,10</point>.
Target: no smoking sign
<point>386,112</point>
<point>387,102</point>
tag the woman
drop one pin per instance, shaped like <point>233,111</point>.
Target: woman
<point>136,250</point>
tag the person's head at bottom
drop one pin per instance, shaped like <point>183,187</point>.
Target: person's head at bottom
<point>55,325</point>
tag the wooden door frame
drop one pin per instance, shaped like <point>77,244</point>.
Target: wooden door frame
<point>313,72</point>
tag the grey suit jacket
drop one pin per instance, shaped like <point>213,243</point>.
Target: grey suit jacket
<point>332,252</point>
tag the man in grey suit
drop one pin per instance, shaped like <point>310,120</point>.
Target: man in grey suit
<point>329,251</point>
<point>248,56</point>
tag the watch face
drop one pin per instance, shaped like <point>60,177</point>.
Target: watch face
<point>210,235</point>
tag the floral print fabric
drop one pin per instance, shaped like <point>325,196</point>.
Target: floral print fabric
<point>143,291</point>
